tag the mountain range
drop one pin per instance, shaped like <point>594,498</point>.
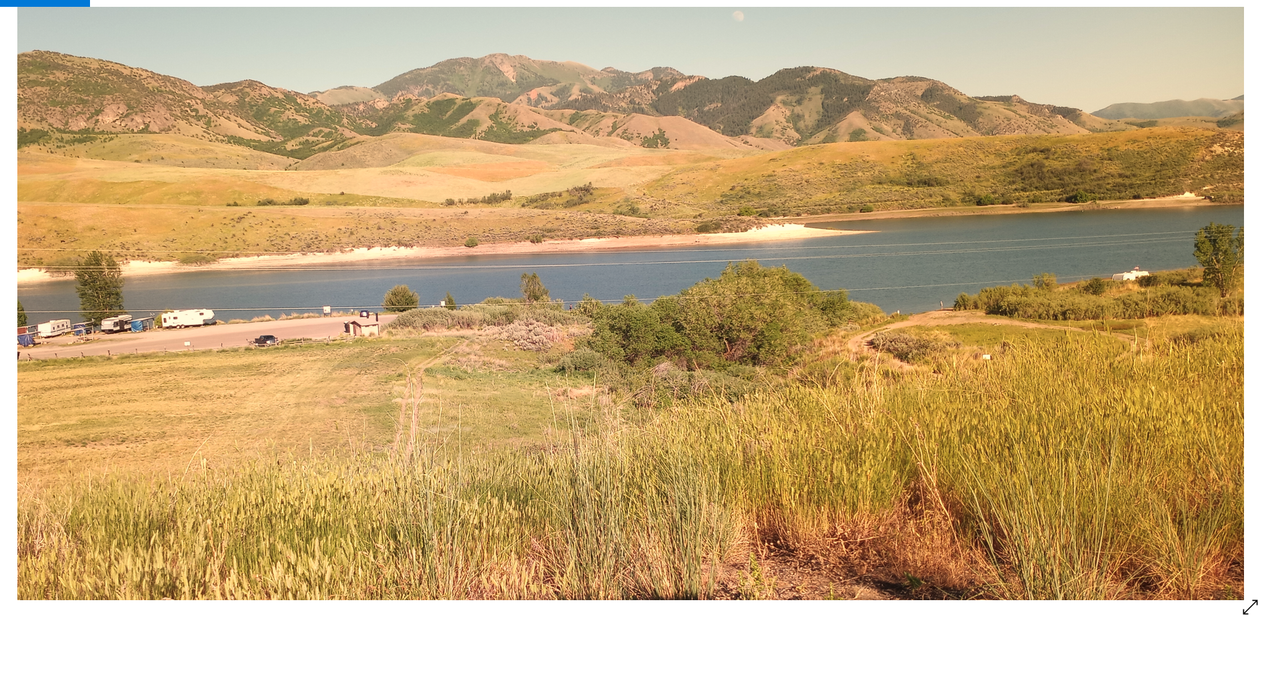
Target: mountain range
<point>1202,107</point>
<point>515,99</point>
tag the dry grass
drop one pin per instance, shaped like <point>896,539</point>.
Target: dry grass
<point>960,478</point>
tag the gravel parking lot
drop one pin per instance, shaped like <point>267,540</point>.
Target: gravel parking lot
<point>198,338</point>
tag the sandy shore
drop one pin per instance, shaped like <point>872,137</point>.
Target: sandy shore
<point>790,228</point>
<point>773,232</point>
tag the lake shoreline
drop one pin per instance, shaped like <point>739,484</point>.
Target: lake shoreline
<point>768,233</point>
<point>778,229</point>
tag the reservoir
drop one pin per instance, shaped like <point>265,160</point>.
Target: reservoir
<point>910,265</point>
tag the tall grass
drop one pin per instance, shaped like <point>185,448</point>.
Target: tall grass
<point>1060,469</point>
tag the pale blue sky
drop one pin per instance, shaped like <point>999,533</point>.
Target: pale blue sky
<point>1078,57</point>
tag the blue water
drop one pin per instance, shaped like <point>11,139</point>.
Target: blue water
<point>910,265</point>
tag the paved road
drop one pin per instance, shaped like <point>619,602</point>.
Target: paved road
<point>200,338</point>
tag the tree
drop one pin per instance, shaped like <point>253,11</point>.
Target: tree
<point>399,299</point>
<point>100,287</point>
<point>448,301</point>
<point>1220,250</point>
<point>532,288</point>
<point>1045,281</point>
<point>22,315</point>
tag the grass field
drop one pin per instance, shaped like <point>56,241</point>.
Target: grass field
<point>236,405</point>
<point>494,477</point>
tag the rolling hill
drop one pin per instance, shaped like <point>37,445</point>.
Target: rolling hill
<point>1202,107</point>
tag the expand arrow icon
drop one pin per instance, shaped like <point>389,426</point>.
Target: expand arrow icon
<point>1246,611</point>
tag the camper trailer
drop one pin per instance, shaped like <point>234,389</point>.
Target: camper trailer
<point>186,318</point>
<point>53,328</point>
<point>117,324</point>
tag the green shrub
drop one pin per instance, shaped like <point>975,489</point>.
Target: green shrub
<point>1096,286</point>
<point>471,242</point>
<point>400,298</point>
<point>1076,304</point>
<point>581,360</point>
<point>749,315</point>
<point>867,208</point>
<point>908,348</point>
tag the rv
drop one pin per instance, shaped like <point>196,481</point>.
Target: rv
<point>53,328</point>
<point>186,318</point>
<point>117,324</point>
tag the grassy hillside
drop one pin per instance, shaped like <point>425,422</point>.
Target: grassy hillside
<point>844,177</point>
<point>860,478</point>
<point>74,204</point>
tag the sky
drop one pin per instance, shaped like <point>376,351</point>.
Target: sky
<point>1077,57</point>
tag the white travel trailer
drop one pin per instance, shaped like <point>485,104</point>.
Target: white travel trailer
<point>123,323</point>
<point>53,328</point>
<point>186,318</point>
<point>1131,275</point>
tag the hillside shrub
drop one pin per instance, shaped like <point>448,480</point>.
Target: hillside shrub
<point>493,312</point>
<point>581,360</point>
<point>526,334</point>
<point>749,315</point>
<point>1096,286</point>
<point>1077,304</point>
<point>909,348</point>
<point>471,242</point>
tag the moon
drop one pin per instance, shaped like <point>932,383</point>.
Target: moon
<point>739,16</point>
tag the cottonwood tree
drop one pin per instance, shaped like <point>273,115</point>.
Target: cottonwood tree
<point>22,315</point>
<point>449,303</point>
<point>400,298</point>
<point>532,288</point>
<point>1220,250</point>
<point>100,285</point>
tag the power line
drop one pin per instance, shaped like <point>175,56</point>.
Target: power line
<point>170,251</point>
<point>296,308</point>
<point>349,268</point>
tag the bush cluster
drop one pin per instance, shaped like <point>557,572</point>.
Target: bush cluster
<point>909,348</point>
<point>527,335</point>
<point>494,312</point>
<point>1038,304</point>
<point>749,315</point>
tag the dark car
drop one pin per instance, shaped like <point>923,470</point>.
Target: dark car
<point>266,340</point>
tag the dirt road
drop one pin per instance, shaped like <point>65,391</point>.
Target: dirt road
<point>198,338</point>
